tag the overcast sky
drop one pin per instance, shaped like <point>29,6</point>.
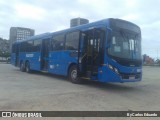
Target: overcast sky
<point>53,15</point>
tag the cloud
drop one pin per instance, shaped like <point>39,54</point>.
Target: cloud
<point>27,11</point>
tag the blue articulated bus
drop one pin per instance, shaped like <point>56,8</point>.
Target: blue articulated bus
<point>107,51</point>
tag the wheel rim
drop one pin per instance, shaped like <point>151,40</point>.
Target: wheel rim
<point>74,74</point>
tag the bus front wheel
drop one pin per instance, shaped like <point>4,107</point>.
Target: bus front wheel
<point>73,75</point>
<point>28,70</point>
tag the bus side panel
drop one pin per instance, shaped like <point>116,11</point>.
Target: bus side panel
<point>68,57</point>
<point>35,63</point>
<point>32,58</point>
<point>56,64</point>
<point>13,59</point>
<point>22,57</point>
<point>59,62</point>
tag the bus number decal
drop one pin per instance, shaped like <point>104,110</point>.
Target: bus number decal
<point>29,55</point>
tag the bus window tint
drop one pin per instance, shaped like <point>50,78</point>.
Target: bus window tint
<point>57,42</point>
<point>72,41</point>
<point>37,45</point>
<point>29,46</point>
<point>23,47</point>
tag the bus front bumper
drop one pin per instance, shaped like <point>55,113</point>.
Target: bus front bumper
<point>107,75</point>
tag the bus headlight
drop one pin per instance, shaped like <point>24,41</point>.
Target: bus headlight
<point>116,70</point>
<point>110,66</point>
<point>113,68</point>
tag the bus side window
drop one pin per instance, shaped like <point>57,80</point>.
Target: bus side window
<point>37,45</point>
<point>29,46</point>
<point>23,46</point>
<point>72,40</point>
<point>57,42</point>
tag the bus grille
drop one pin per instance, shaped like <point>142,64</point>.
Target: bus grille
<point>127,76</point>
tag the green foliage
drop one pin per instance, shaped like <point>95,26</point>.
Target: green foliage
<point>1,54</point>
<point>158,61</point>
<point>4,54</point>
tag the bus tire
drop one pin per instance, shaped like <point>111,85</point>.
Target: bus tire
<point>73,75</point>
<point>28,70</point>
<point>22,67</point>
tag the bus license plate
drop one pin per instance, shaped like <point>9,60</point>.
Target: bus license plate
<point>132,77</point>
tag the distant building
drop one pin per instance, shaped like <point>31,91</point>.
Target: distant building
<point>78,21</point>
<point>147,59</point>
<point>19,33</point>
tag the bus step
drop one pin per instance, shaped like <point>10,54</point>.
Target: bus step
<point>86,78</point>
<point>44,71</point>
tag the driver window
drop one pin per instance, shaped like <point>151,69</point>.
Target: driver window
<point>116,44</point>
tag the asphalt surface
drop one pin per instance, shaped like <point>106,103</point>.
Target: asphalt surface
<point>46,92</point>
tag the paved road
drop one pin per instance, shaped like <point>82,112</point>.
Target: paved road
<point>37,91</point>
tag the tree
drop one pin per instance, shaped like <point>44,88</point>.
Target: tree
<point>6,55</point>
<point>158,61</point>
<point>1,54</point>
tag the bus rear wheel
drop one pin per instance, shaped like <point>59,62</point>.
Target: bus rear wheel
<point>22,67</point>
<point>73,75</point>
<point>28,70</point>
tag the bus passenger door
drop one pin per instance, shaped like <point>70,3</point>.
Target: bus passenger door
<point>45,54</point>
<point>90,52</point>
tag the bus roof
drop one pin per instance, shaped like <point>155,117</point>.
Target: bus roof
<point>103,22</point>
<point>84,26</point>
<point>45,35</point>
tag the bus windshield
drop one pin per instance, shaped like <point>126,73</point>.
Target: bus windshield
<point>125,45</point>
